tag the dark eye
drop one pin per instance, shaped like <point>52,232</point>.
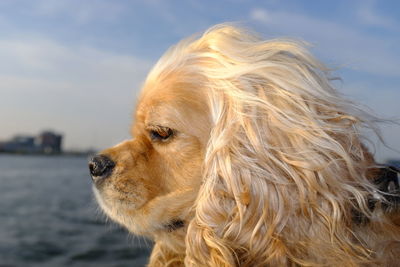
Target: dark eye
<point>161,133</point>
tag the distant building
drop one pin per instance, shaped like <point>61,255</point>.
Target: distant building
<point>20,144</point>
<point>47,143</point>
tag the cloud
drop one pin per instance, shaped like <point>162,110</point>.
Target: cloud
<point>79,90</point>
<point>346,45</point>
<point>51,61</point>
<point>80,12</point>
<point>261,15</point>
<point>367,14</point>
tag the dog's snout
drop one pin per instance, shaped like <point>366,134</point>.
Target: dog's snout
<point>100,167</point>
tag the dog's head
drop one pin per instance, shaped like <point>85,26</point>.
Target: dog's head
<point>149,183</point>
<point>239,144</point>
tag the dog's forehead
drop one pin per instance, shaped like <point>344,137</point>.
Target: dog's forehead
<point>170,112</point>
<point>162,113</point>
<point>171,100</point>
<point>179,108</point>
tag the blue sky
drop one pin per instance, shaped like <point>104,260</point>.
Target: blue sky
<point>77,66</point>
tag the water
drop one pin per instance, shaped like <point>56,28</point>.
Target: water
<point>48,217</point>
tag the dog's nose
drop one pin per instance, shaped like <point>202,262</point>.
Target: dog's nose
<point>100,167</point>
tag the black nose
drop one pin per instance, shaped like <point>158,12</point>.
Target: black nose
<point>100,167</point>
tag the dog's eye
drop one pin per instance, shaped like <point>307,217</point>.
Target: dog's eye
<point>161,133</point>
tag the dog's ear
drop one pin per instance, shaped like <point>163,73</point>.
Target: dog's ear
<point>284,160</point>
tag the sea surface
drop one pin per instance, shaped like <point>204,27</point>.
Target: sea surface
<point>48,217</point>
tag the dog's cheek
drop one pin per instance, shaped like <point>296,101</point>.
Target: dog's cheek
<point>121,195</point>
<point>131,194</point>
<point>185,164</point>
<point>122,207</point>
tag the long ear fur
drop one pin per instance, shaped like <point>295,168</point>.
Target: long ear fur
<point>284,165</point>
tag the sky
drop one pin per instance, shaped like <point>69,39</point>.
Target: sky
<point>76,67</point>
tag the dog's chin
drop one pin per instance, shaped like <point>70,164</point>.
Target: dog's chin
<point>164,214</point>
<point>123,212</point>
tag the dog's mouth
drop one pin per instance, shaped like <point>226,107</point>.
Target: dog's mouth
<point>140,225</point>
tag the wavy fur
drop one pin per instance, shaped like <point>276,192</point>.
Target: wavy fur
<point>284,167</point>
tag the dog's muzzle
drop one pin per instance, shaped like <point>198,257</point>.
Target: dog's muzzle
<point>100,167</point>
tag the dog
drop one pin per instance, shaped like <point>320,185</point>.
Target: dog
<point>244,154</point>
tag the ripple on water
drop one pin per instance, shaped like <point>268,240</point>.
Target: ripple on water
<point>47,217</point>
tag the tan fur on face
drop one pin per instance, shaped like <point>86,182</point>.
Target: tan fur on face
<point>154,182</point>
<point>265,167</point>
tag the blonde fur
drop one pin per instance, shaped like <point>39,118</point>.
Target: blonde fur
<point>278,165</point>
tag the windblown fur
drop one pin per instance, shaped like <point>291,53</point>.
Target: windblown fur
<point>266,166</point>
